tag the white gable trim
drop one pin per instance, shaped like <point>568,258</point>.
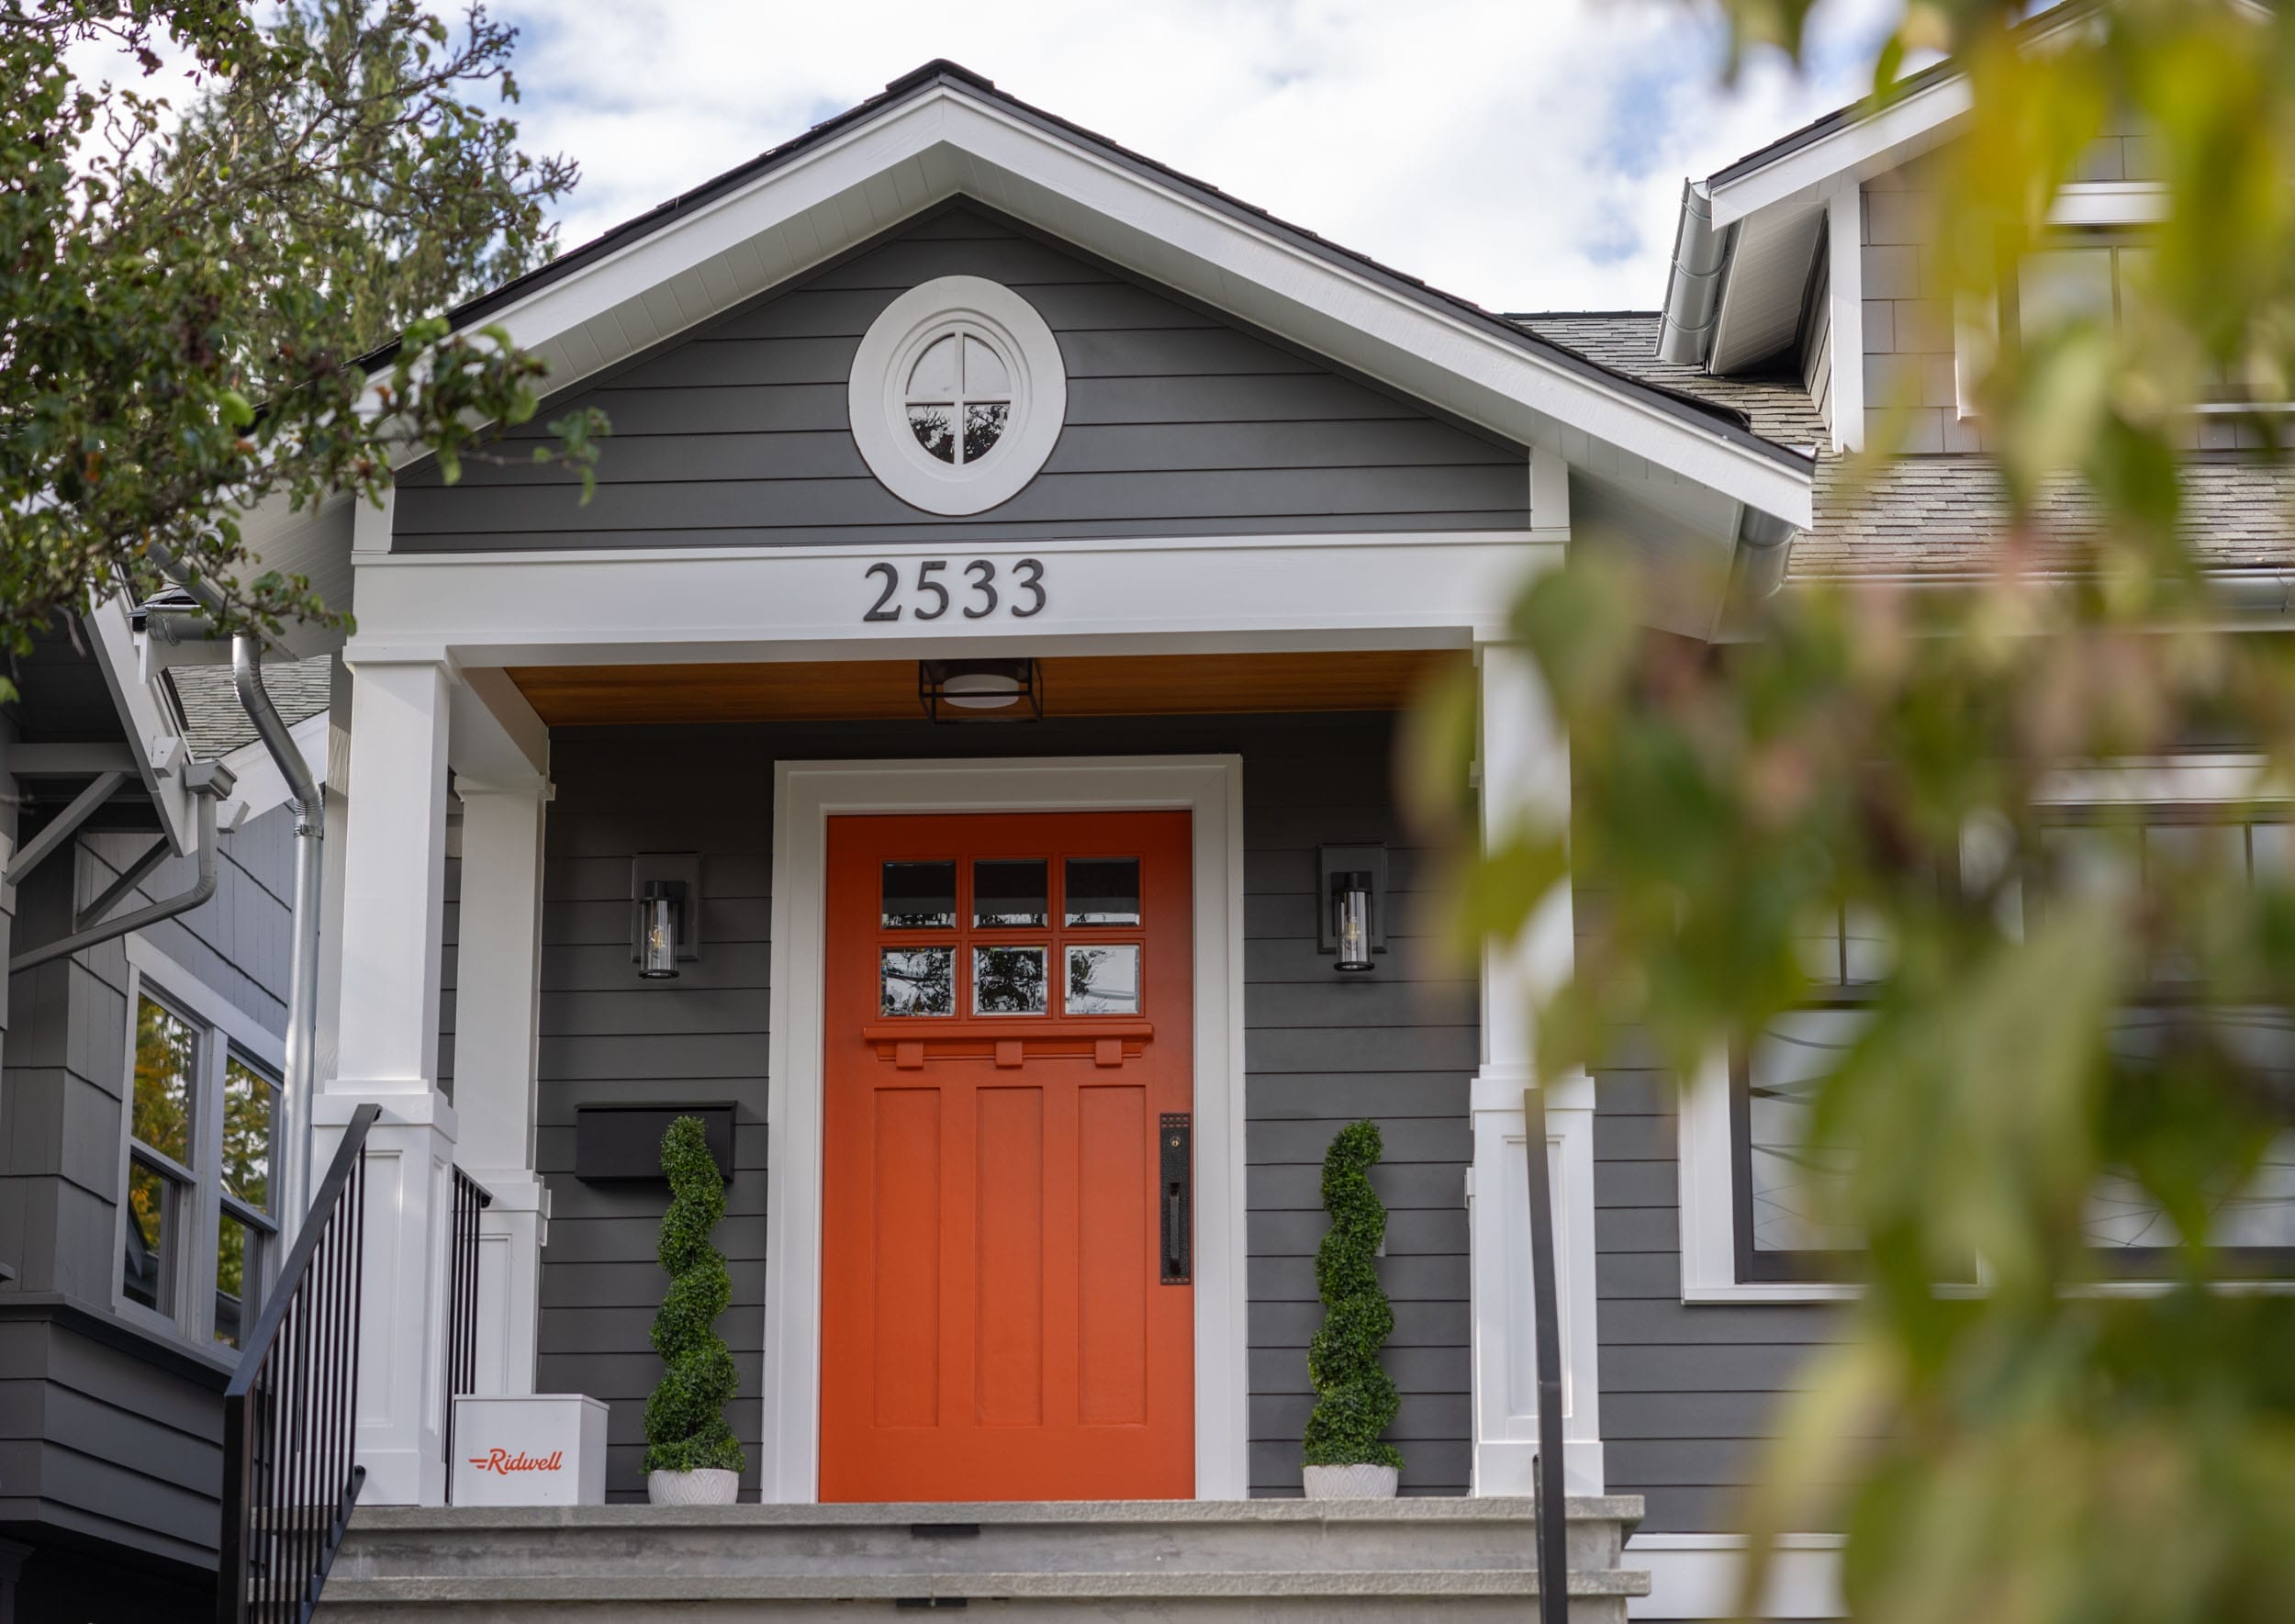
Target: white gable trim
<point>944,141</point>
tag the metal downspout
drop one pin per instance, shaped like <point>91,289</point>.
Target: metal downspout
<point>302,1035</point>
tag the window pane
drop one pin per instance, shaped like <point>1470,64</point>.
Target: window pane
<point>1008,981</point>
<point>935,373</point>
<point>1104,980</point>
<point>238,1278</point>
<point>2095,860</point>
<point>249,1104</point>
<point>920,896</point>
<point>167,1051</point>
<point>984,376</point>
<point>2272,850</point>
<point>1006,893</point>
<point>146,1276</point>
<point>983,427</point>
<point>1103,890</point>
<point>918,981</point>
<point>2065,284</point>
<point>936,430</point>
<point>1796,1186</point>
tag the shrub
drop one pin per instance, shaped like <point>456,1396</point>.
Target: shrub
<point>685,1420</point>
<point>1355,1398</point>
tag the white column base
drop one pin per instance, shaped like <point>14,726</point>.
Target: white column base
<point>510,1236</point>
<point>1505,1385</point>
<point>402,1376</point>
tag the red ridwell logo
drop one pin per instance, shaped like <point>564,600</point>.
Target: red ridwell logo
<point>503,1462</point>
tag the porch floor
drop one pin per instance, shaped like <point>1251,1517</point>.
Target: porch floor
<point>1202,1561</point>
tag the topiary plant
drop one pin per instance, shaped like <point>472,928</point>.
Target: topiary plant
<point>685,1419</point>
<point>1355,1398</point>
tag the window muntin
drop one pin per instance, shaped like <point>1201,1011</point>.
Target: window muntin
<point>199,1223</point>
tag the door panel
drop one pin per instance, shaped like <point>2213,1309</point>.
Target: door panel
<point>1009,1015</point>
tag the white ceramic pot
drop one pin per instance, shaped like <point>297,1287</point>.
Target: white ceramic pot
<point>711,1486</point>
<point>1351,1483</point>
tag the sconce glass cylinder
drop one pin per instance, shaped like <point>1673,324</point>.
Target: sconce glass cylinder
<point>657,919</point>
<point>1350,919</point>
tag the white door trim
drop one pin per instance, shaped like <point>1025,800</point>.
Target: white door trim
<point>806,794</point>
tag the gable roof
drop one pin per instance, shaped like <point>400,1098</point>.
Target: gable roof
<point>944,130</point>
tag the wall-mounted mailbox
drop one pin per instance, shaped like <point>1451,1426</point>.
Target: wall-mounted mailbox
<point>623,1142</point>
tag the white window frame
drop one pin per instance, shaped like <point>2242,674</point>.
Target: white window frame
<point>1708,1187</point>
<point>224,1031</point>
<point>876,394</point>
<point>806,794</point>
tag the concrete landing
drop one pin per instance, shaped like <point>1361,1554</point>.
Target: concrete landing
<point>1138,1561</point>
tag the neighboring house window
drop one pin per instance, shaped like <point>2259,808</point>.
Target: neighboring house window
<point>956,395</point>
<point>200,1224</point>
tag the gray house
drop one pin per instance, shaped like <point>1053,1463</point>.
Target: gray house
<point>939,757</point>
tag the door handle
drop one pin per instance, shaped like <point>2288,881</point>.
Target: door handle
<point>1178,1166</point>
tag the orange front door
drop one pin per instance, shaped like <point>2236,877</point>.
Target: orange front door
<point>1005,1306</point>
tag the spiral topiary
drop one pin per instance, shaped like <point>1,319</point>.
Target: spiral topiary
<point>685,1419</point>
<point>1355,1398</point>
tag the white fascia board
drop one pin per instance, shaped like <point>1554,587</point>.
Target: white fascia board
<point>149,723</point>
<point>2109,203</point>
<point>1146,594</point>
<point>942,141</point>
<point>257,782</point>
<point>1861,148</point>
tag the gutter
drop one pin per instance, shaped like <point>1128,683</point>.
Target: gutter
<point>208,782</point>
<point>1692,283</point>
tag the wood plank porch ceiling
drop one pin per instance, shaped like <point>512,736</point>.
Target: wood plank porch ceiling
<point>865,690</point>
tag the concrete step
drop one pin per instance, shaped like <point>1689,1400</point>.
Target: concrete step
<point>1201,1562</point>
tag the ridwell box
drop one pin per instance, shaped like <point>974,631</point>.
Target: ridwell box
<point>536,1448</point>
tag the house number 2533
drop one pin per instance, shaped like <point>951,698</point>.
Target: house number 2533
<point>929,597</point>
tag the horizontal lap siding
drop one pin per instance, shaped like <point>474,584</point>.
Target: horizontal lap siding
<point>1690,1392</point>
<point>1177,422</point>
<point>1320,1051</point>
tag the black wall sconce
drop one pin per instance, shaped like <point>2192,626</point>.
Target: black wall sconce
<point>980,690</point>
<point>1351,888</point>
<point>665,913</point>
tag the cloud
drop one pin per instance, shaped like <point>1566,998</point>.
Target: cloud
<point>1525,153</point>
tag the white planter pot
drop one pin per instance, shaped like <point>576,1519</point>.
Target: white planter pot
<point>1351,1483</point>
<point>711,1486</point>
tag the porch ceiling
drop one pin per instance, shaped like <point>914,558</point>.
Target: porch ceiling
<point>862,691</point>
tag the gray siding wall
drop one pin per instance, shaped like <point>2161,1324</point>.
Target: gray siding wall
<point>1177,423</point>
<point>1320,1051</point>
<point>105,1431</point>
<point>1689,1391</point>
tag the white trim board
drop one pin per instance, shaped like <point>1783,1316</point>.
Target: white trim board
<point>1696,1576</point>
<point>805,796</point>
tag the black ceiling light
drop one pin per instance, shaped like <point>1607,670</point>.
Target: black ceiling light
<point>980,690</point>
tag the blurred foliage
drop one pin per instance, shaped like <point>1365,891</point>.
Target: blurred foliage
<point>185,294</point>
<point>2050,1446</point>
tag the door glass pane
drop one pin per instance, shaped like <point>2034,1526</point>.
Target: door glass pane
<point>920,896</point>
<point>1103,890</point>
<point>145,1275</point>
<point>249,1101</point>
<point>237,1277</point>
<point>1104,980</point>
<point>918,981</point>
<point>1009,892</point>
<point>166,1052</point>
<point>1008,981</point>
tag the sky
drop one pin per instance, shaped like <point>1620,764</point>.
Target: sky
<point>1526,154</point>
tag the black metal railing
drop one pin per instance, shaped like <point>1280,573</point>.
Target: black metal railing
<point>471,1199</point>
<point>290,1416</point>
<point>1550,1506</point>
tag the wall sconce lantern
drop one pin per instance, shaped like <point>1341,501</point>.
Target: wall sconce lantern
<point>980,690</point>
<point>1353,892</point>
<point>666,912</point>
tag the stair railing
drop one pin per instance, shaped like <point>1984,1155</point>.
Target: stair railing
<point>471,1199</point>
<point>1549,1505</point>
<point>290,1415</point>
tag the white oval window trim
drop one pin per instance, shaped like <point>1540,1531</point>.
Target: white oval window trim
<point>1034,392</point>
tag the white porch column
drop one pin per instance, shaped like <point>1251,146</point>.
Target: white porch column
<point>497,1028</point>
<point>1523,762</point>
<point>386,1052</point>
